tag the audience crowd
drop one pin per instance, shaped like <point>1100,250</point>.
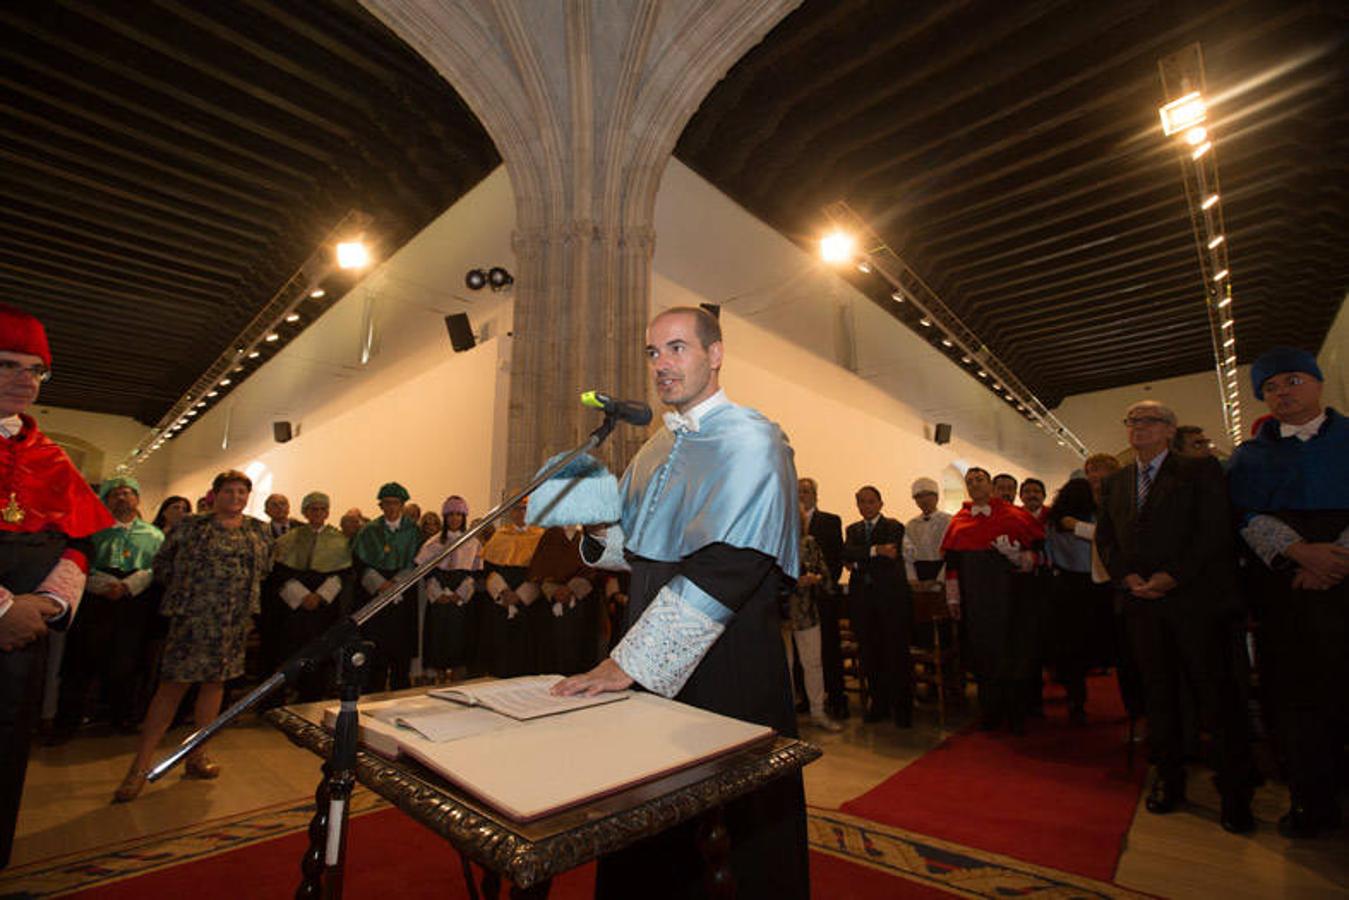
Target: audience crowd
<point>1156,564</point>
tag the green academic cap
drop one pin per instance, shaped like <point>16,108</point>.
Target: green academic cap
<point>111,484</point>
<point>395,490</point>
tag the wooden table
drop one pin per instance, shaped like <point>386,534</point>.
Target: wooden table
<point>529,854</point>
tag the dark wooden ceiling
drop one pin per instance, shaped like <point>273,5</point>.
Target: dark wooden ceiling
<point>1012,154</point>
<point>166,167</point>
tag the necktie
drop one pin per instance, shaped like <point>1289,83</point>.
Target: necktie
<point>1144,484</point>
<point>678,422</point>
<point>870,527</point>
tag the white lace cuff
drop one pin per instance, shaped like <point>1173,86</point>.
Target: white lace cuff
<point>612,558</point>
<point>293,593</point>
<point>331,587</point>
<point>138,581</point>
<point>495,585</point>
<point>64,584</point>
<point>465,590</point>
<point>1269,537</point>
<point>664,646</point>
<point>372,581</point>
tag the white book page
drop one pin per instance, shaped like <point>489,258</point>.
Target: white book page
<point>527,697</point>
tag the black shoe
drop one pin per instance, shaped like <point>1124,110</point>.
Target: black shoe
<point>1304,820</point>
<point>1236,815</point>
<point>1165,797</point>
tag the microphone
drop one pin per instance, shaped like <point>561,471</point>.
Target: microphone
<point>634,412</point>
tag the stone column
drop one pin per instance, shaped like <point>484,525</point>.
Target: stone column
<point>585,100</point>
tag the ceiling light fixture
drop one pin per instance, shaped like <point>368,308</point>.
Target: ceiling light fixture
<point>1183,112</point>
<point>353,254</point>
<point>1215,242</point>
<point>1209,202</point>
<point>837,247</point>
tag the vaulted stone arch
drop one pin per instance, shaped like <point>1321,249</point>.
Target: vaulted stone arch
<point>584,100</point>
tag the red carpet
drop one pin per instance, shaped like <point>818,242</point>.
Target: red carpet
<point>1059,796</point>
<point>393,856</point>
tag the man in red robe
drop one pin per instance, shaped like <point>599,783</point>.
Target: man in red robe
<point>47,514</point>
<point>990,550</point>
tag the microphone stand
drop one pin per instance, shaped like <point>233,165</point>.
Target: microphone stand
<point>323,870</point>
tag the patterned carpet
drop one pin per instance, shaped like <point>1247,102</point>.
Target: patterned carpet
<point>906,855</point>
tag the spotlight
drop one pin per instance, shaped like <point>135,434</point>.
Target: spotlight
<point>1215,242</point>
<point>1220,275</point>
<point>966,360</point>
<point>1182,113</point>
<point>1224,302</point>
<point>837,247</point>
<point>499,278</point>
<point>224,382</point>
<point>1196,136</point>
<point>293,317</point>
<point>897,296</point>
<point>925,322</point>
<point>317,294</point>
<point>947,342</point>
<point>272,337</point>
<point>475,279</point>
<point>254,355</point>
<point>1201,149</point>
<point>1209,201</point>
<point>864,267</point>
<point>213,393</point>
<point>353,255</point>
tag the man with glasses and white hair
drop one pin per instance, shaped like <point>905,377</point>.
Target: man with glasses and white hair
<point>1164,535</point>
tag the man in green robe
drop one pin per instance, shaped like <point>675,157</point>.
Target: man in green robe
<point>106,639</point>
<point>384,550</point>
<point>312,565</point>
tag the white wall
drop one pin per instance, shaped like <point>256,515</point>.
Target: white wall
<point>1334,361</point>
<point>415,412</point>
<point>97,442</point>
<point>1097,417</point>
<point>857,392</point>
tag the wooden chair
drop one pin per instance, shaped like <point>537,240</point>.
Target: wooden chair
<point>937,666</point>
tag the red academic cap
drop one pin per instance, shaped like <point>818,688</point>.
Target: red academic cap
<point>21,332</point>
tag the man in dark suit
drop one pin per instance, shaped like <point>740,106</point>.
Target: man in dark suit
<point>827,530</point>
<point>881,609</point>
<point>1164,534</point>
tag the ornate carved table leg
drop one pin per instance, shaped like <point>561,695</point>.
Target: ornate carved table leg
<point>714,843</point>
<point>537,892</point>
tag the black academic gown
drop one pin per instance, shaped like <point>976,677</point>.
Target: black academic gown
<point>744,676</point>
<point>449,629</point>
<point>510,646</point>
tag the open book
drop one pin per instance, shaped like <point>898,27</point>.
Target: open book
<point>522,698</point>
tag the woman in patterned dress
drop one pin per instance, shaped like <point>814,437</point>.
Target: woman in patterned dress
<point>212,566</point>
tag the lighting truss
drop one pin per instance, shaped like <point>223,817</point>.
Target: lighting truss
<point>964,343</point>
<point>1182,75</point>
<point>262,329</point>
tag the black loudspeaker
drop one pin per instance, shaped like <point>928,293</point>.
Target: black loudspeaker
<point>713,308</point>
<point>942,433</point>
<point>461,332</point>
<point>281,432</point>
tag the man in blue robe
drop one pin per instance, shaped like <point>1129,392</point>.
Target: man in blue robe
<point>710,531</point>
<point>1290,490</point>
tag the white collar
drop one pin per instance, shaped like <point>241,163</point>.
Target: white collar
<point>1304,432</point>
<point>983,509</point>
<point>392,526</point>
<point>1152,465</point>
<point>11,426</point>
<point>689,421</point>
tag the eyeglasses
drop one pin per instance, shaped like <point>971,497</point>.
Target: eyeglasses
<point>11,369</point>
<point>1140,421</point>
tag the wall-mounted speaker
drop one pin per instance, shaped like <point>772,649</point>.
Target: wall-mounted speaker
<point>942,433</point>
<point>461,332</point>
<point>281,432</point>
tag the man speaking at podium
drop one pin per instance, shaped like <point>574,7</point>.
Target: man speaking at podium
<point>710,531</point>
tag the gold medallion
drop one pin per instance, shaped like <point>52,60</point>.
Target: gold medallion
<point>13,513</point>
